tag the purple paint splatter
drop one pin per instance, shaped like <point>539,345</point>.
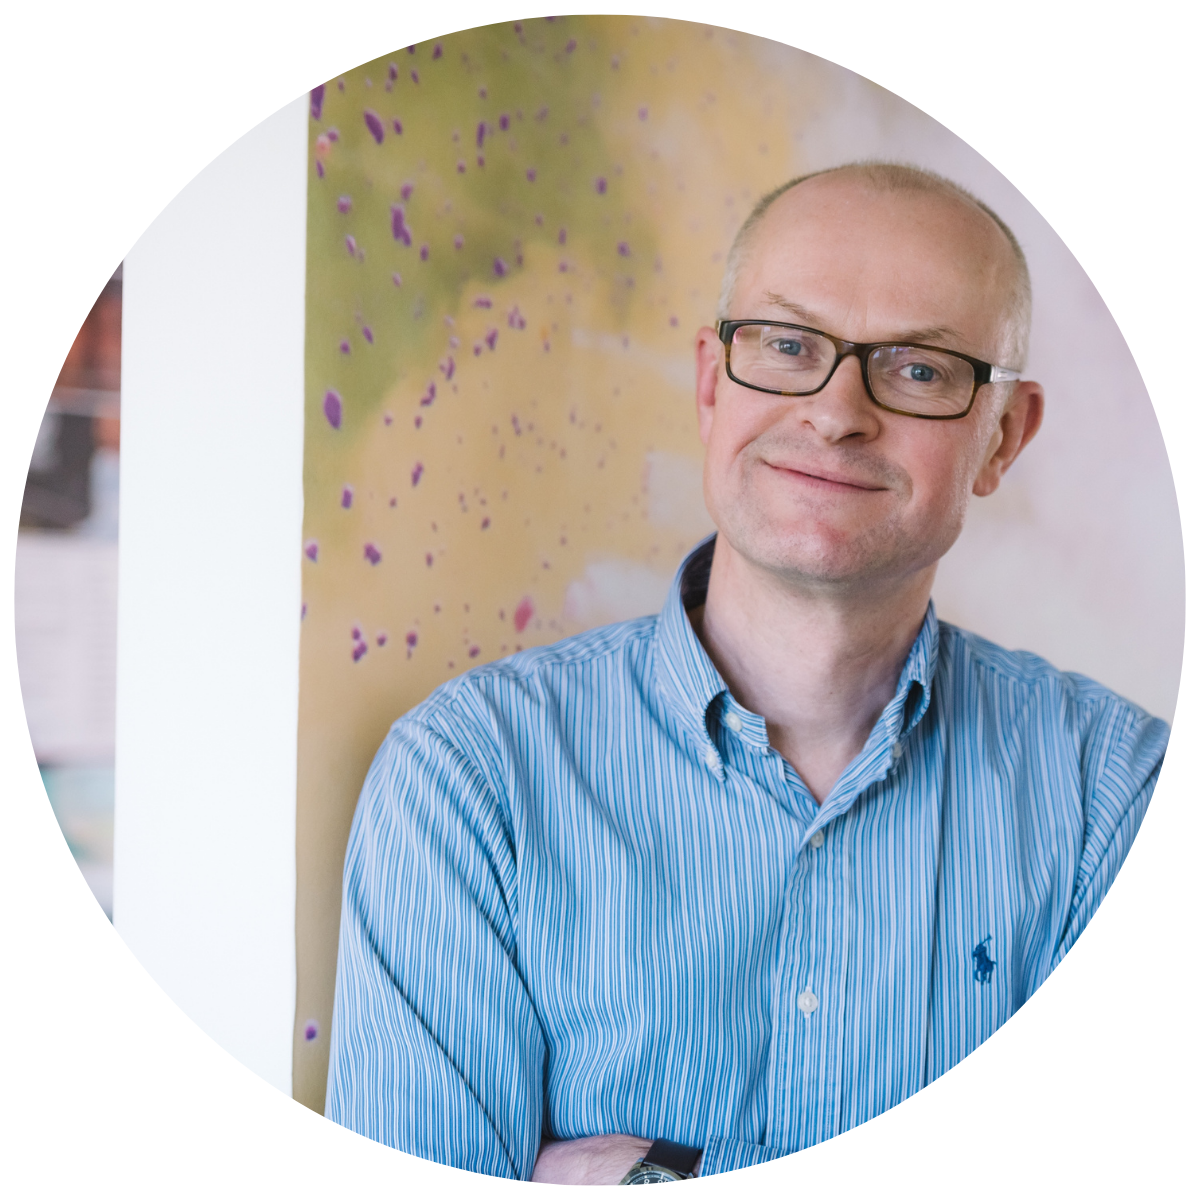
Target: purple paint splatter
<point>458,241</point>
<point>344,204</point>
<point>480,133</point>
<point>601,186</point>
<point>333,408</point>
<point>371,554</point>
<point>400,229</point>
<point>396,280</point>
<point>483,302</point>
<point>344,346</point>
<point>310,551</point>
<point>359,650</point>
<point>332,134</point>
<point>437,50</point>
<point>643,113</point>
<point>414,76</point>
<point>569,48</point>
<point>424,251</point>
<point>381,638</point>
<point>473,652</point>
<point>374,125</point>
<point>562,236</point>
<point>320,169</point>
<point>417,472</point>
<point>311,1028</point>
<point>447,368</point>
<point>490,338</point>
<point>428,559</point>
<point>351,245</point>
<point>504,121</point>
<point>387,420</point>
<point>406,191</point>
<point>462,167</point>
<point>410,640</point>
<point>430,395</point>
<point>396,126</point>
<point>347,496</point>
<point>515,320</point>
<point>316,100</point>
<point>531,173</point>
<point>623,249</point>
<point>500,267</point>
<point>485,523</point>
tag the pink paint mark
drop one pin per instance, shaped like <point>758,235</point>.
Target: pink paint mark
<point>479,160</point>
<point>437,50</point>
<point>674,322</point>
<point>351,245</point>
<point>531,173</point>
<point>429,560</point>
<point>473,652</point>
<point>515,320</point>
<point>542,113</point>
<point>310,551</point>
<point>332,134</point>
<point>387,418</point>
<point>478,349</point>
<point>500,267</point>
<point>381,638</point>
<point>483,302</point>
<point>344,346</point>
<point>356,633</point>
<point>623,249</point>
<point>406,192</point>
<point>504,121</point>
<point>417,472</point>
<point>368,335</point>
<point>311,1031</point>
<point>417,420</point>
<point>430,394</point>
<point>344,204</point>
<point>371,553</point>
<point>393,72</point>
<point>523,614</point>
<point>643,113</point>
<point>359,650</point>
<point>410,640</point>
<point>303,611</point>
<point>516,424</point>
<point>392,502</point>
<point>564,266</point>
<point>490,338</point>
<point>462,167</point>
<point>486,523</point>
<point>396,280</point>
<point>458,241</point>
<point>320,169</point>
<point>562,237</point>
<point>347,496</point>
<point>414,76</point>
<point>601,186</point>
<point>447,368</point>
<point>569,48</point>
<point>333,409</point>
<point>424,251</point>
<point>480,133</point>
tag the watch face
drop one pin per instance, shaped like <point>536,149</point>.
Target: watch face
<point>652,1174</point>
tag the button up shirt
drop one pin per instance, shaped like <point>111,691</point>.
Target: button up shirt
<point>584,895</point>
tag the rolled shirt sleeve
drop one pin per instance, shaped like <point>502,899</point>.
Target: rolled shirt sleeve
<point>436,1049</point>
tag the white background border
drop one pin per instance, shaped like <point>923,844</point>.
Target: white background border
<point>111,109</point>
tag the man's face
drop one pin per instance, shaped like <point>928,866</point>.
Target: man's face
<point>830,490</point>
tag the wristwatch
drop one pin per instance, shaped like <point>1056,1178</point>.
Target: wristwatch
<point>663,1162</point>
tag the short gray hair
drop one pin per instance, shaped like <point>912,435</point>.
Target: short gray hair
<point>895,177</point>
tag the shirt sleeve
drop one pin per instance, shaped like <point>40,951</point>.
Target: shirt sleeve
<point>1122,755</point>
<point>435,1047</point>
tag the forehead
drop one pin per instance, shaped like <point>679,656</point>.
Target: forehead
<point>876,263</point>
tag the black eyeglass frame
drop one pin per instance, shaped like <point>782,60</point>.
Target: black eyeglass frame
<point>985,372</point>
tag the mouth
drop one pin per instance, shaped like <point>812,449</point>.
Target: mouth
<point>825,479</point>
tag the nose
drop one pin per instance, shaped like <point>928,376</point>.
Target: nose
<point>842,408</point>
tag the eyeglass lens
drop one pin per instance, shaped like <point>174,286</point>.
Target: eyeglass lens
<point>794,361</point>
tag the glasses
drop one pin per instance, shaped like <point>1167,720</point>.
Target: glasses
<point>917,381</point>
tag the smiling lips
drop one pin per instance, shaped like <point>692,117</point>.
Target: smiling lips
<point>827,479</point>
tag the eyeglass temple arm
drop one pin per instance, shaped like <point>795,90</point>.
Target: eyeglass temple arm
<point>1004,375</point>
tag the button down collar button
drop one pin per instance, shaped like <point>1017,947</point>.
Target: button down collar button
<point>733,722</point>
<point>817,840</point>
<point>713,759</point>
<point>808,1002</point>
<point>897,750</point>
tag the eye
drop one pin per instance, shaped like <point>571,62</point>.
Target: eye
<point>919,372</point>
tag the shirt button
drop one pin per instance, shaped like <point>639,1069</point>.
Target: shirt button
<point>713,759</point>
<point>734,722</point>
<point>808,1002</point>
<point>897,750</point>
<point>817,840</point>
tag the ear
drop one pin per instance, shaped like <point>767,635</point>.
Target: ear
<point>710,362</point>
<point>1020,420</point>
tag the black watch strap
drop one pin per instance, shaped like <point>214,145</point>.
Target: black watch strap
<point>675,1156</point>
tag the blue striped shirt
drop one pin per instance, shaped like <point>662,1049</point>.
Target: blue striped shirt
<point>584,895</point>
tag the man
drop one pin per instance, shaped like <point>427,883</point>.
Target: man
<point>744,875</point>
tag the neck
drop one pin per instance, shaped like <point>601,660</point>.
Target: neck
<point>818,665</point>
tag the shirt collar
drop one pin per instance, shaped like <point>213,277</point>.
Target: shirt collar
<point>697,693</point>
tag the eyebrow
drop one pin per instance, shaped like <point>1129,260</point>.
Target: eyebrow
<point>929,333</point>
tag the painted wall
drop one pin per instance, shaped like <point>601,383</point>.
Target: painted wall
<point>513,234</point>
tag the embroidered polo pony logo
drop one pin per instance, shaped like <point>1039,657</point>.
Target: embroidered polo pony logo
<point>983,964</point>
